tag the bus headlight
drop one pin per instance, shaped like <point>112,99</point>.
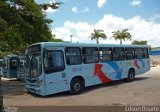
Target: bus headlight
<point>38,82</point>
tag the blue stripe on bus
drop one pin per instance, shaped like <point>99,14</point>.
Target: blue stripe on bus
<point>116,68</point>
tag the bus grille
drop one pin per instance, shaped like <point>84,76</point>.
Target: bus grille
<point>31,80</point>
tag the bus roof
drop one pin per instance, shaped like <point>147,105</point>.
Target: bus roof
<point>10,56</point>
<point>68,44</point>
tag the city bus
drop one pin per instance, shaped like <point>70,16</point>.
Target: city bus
<point>21,71</point>
<point>1,60</point>
<point>10,66</point>
<point>58,67</point>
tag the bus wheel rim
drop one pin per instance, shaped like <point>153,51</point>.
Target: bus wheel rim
<point>77,87</point>
<point>131,75</point>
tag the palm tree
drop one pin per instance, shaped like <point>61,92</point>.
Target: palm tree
<point>121,35</point>
<point>98,34</point>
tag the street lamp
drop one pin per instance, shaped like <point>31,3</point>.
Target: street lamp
<point>71,37</point>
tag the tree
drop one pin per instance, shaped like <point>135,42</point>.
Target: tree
<point>142,42</point>
<point>98,34</point>
<point>22,22</point>
<point>53,5</point>
<point>121,35</point>
<point>54,39</point>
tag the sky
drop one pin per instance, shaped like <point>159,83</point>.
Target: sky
<point>80,17</point>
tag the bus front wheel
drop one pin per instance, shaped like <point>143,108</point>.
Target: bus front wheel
<point>131,75</point>
<point>76,86</point>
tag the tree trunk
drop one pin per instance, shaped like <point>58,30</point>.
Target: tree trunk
<point>120,41</point>
<point>97,41</point>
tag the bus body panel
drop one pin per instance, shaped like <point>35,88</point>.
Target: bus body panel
<point>113,70</point>
<point>21,71</point>
<point>59,83</point>
<point>1,64</point>
<point>143,66</point>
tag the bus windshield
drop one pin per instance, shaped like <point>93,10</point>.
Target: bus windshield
<point>34,64</point>
<point>13,64</point>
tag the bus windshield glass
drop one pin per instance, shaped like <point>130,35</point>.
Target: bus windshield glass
<point>13,64</point>
<point>34,64</point>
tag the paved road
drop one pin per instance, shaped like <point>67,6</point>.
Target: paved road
<point>145,90</point>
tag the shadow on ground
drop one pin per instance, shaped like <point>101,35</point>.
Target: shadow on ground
<point>12,87</point>
<point>113,84</point>
<point>16,87</point>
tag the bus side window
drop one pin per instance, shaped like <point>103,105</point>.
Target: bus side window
<point>90,55</point>
<point>54,61</point>
<point>105,54</point>
<point>73,55</point>
<point>118,53</point>
<point>145,53</point>
<point>130,53</point>
<point>138,53</point>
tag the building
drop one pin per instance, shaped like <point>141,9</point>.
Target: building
<point>155,51</point>
<point>155,55</point>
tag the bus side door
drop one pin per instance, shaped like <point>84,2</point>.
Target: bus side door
<point>54,68</point>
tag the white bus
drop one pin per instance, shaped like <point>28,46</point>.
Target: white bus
<point>57,67</point>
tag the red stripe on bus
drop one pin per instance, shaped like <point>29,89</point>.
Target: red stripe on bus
<point>136,64</point>
<point>101,75</point>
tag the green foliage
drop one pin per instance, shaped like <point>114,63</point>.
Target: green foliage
<point>56,40</point>
<point>98,34</point>
<point>142,42</point>
<point>53,5</point>
<point>121,35</point>
<point>22,22</point>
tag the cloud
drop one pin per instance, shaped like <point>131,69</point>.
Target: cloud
<point>136,3</point>
<point>62,33</point>
<point>139,28</point>
<point>155,17</point>
<point>101,3</point>
<point>84,10</point>
<point>50,10</point>
<point>52,1</point>
<point>74,9</point>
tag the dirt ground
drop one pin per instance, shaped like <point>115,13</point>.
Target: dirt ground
<point>145,90</point>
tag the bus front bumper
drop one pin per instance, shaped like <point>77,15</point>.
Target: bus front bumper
<point>32,88</point>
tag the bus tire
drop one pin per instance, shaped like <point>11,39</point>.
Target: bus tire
<point>131,75</point>
<point>76,86</point>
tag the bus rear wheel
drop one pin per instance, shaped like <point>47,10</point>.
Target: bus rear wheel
<point>76,86</point>
<point>131,75</point>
